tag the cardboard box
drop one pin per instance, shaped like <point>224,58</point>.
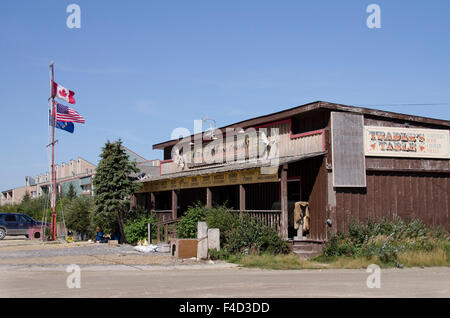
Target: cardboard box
<point>184,248</point>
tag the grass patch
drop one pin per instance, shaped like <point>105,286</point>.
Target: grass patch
<point>385,242</point>
<point>436,257</point>
<point>269,261</point>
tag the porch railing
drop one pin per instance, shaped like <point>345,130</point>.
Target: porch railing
<point>163,215</point>
<point>271,218</point>
<point>169,230</point>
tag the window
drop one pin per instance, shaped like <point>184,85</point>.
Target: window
<point>10,218</point>
<point>25,218</point>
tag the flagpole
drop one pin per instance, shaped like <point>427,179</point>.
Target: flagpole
<point>53,113</point>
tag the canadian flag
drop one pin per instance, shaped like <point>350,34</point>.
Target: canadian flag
<point>62,93</point>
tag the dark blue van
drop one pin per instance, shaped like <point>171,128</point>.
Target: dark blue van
<point>16,224</point>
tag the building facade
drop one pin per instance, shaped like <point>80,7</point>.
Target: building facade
<point>78,172</point>
<point>345,162</point>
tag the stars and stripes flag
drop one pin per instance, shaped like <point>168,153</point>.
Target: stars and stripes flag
<point>67,114</point>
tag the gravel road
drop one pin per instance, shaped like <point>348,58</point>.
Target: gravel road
<point>23,252</point>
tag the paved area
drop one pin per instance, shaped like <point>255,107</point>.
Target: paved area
<point>18,251</point>
<point>34,269</point>
<point>219,281</point>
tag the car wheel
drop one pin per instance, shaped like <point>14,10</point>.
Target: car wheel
<point>2,233</point>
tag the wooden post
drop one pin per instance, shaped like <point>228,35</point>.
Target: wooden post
<point>174,204</point>
<point>149,233</point>
<point>284,202</point>
<point>241,199</point>
<point>133,202</point>
<point>208,197</point>
<point>152,201</point>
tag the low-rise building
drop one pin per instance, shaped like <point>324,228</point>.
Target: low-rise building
<point>78,172</point>
<point>345,162</point>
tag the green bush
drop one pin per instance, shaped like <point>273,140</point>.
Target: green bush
<point>385,239</point>
<point>237,235</point>
<point>78,216</point>
<point>137,229</point>
<point>221,218</point>
<point>187,226</point>
<point>218,255</point>
<point>247,236</point>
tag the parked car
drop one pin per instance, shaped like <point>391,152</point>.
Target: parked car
<point>17,224</point>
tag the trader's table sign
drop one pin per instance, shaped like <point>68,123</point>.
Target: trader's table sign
<point>406,142</point>
<point>216,179</point>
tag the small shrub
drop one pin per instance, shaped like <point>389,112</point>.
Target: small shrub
<point>385,240</point>
<point>253,238</point>
<point>237,235</point>
<point>187,227</point>
<point>78,216</point>
<point>221,218</point>
<point>218,254</point>
<point>137,229</point>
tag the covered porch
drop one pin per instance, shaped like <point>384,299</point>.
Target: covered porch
<point>266,198</point>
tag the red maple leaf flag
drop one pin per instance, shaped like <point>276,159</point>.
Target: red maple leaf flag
<point>62,93</point>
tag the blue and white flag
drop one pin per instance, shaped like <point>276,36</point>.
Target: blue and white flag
<point>64,125</point>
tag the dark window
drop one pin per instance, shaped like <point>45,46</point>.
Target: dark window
<point>309,122</point>
<point>167,153</point>
<point>10,218</point>
<point>25,218</point>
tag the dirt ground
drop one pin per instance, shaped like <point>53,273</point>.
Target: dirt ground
<point>36,269</point>
<point>17,251</point>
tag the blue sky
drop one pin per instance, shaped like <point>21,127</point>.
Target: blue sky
<point>142,68</point>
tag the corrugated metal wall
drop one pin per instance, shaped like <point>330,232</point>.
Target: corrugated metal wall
<point>421,195</point>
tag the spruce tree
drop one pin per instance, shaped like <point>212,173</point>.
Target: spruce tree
<point>113,187</point>
<point>71,194</point>
<point>26,198</point>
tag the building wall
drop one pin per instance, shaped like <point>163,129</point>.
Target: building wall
<point>421,194</point>
<point>75,172</point>
<point>407,187</point>
<point>16,195</point>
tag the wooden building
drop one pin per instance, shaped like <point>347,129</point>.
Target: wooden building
<point>346,162</point>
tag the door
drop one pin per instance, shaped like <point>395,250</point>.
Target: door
<point>24,224</point>
<point>294,195</point>
<point>12,226</point>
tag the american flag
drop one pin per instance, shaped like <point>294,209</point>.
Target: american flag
<point>64,113</point>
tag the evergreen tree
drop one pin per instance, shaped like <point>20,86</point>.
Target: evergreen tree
<point>26,198</point>
<point>78,216</point>
<point>71,193</point>
<point>113,188</point>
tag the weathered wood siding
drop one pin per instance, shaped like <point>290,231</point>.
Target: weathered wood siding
<point>421,195</point>
<point>297,145</point>
<point>288,145</point>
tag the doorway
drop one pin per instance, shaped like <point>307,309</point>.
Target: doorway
<point>293,195</point>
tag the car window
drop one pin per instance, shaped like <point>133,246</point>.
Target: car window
<point>22,219</point>
<point>10,218</point>
<point>27,218</point>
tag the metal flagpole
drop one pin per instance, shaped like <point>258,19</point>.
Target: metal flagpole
<point>53,113</point>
